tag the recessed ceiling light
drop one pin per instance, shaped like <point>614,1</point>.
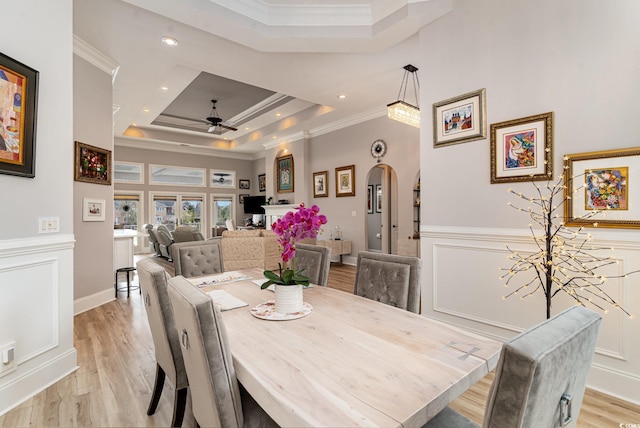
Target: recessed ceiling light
<point>247,128</point>
<point>146,110</point>
<point>342,96</point>
<point>164,88</point>
<point>277,114</point>
<point>169,41</point>
<point>134,124</point>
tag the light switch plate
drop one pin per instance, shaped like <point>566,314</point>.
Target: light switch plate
<point>48,224</point>
<point>7,352</point>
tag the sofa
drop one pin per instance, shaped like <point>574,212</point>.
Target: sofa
<point>187,234</point>
<point>245,249</point>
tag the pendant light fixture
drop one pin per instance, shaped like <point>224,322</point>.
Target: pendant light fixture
<point>401,110</point>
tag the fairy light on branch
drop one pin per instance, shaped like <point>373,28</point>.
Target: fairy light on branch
<point>566,260</point>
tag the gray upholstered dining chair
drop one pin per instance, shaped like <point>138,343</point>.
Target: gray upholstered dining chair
<point>153,281</point>
<point>390,279</point>
<point>218,400</point>
<point>541,376</point>
<point>315,260</point>
<point>197,257</point>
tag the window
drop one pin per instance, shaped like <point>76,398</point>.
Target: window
<point>127,214</point>
<point>161,174</point>
<point>128,172</point>
<point>222,209</point>
<point>178,210</point>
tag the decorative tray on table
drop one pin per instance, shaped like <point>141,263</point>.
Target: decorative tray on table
<point>267,311</point>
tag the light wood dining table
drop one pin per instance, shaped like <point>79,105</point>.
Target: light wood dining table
<point>352,361</point>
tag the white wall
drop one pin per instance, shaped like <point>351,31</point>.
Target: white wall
<point>579,59</point>
<point>36,270</point>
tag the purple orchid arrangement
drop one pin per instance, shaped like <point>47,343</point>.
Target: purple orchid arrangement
<point>296,225</point>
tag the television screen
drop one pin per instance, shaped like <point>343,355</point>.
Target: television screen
<point>253,204</point>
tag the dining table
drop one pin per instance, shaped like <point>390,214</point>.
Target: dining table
<point>347,361</point>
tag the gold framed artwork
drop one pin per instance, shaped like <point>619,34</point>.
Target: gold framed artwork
<point>597,192</point>
<point>345,181</point>
<point>320,185</point>
<point>284,173</point>
<point>93,164</point>
<point>522,149</point>
<point>460,119</point>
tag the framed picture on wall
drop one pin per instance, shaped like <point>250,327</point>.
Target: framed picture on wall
<point>262,182</point>
<point>522,149</point>
<point>244,184</point>
<point>92,164</point>
<point>345,181</point>
<point>370,199</point>
<point>223,178</point>
<point>19,106</point>
<point>598,189</point>
<point>320,185</point>
<point>93,209</point>
<point>284,171</point>
<point>241,197</point>
<point>460,119</point>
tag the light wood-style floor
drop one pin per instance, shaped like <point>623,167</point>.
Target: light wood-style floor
<point>113,384</point>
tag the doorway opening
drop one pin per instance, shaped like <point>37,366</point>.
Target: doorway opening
<point>381,222</point>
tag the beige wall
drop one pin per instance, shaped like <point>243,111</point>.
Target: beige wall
<point>92,124</point>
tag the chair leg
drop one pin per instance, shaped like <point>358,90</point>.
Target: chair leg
<point>179,405</point>
<point>157,390</point>
<point>128,284</point>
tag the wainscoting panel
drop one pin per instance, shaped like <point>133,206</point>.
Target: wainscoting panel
<point>462,285</point>
<point>36,313</point>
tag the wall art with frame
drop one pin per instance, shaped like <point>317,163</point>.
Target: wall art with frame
<point>262,182</point>
<point>93,209</point>
<point>19,106</point>
<point>598,185</point>
<point>241,197</point>
<point>370,199</point>
<point>223,178</point>
<point>460,119</point>
<point>378,198</point>
<point>244,184</point>
<point>320,184</point>
<point>285,174</point>
<point>92,164</point>
<point>522,149</point>
<point>345,181</point>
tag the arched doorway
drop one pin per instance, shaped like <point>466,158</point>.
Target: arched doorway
<point>381,222</point>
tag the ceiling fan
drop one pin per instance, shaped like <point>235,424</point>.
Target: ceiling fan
<point>215,121</point>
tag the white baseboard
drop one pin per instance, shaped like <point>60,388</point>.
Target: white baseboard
<point>83,304</point>
<point>21,388</point>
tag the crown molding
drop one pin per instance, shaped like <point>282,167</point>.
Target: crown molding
<point>93,56</point>
<point>170,146</point>
<point>349,121</point>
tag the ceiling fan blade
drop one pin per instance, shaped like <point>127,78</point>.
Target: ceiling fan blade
<point>229,127</point>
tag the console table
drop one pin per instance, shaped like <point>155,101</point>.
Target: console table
<point>338,247</point>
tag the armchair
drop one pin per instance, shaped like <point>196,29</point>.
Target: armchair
<point>153,239</point>
<point>165,241</point>
<point>187,234</point>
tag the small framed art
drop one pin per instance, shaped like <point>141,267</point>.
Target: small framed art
<point>460,119</point>
<point>378,198</point>
<point>241,197</point>
<point>284,172</point>
<point>320,188</point>
<point>597,189</point>
<point>93,164</point>
<point>262,182</point>
<point>18,106</point>
<point>223,178</point>
<point>93,209</point>
<point>370,199</point>
<point>345,181</point>
<point>522,149</point>
<point>244,184</point>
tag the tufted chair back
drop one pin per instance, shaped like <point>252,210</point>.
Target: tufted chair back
<point>315,260</point>
<point>197,258</point>
<point>390,279</point>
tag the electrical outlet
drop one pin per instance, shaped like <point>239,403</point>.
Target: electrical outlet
<point>7,358</point>
<point>353,213</point>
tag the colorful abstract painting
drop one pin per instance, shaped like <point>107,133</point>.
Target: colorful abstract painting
<point>606,189</point>
<point>520,150</point>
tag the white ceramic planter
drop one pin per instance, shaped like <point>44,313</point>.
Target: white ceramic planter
<point>288,298</point>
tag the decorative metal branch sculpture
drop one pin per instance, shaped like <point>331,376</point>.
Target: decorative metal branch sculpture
<point>566,259</point>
